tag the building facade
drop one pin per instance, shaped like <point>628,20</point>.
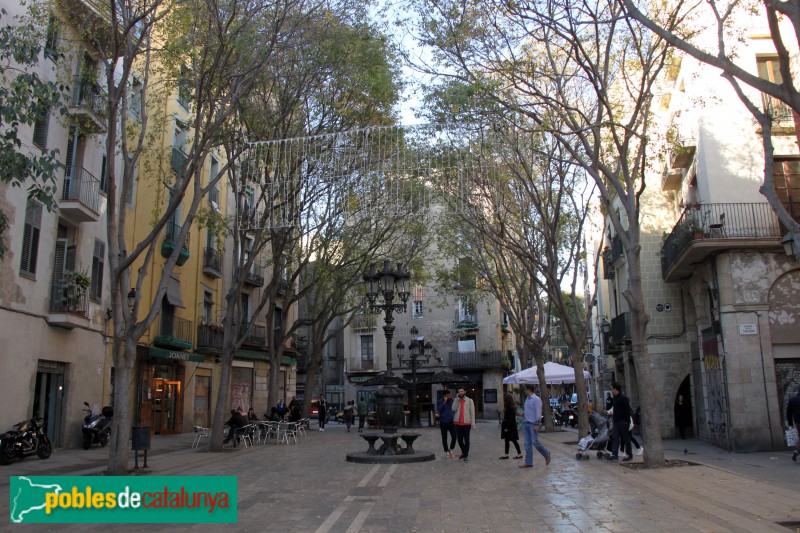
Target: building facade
<point>720,289</point>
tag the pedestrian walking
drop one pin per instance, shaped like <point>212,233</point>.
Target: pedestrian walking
<point>444,406</point>
<point>464,420</point>
<point>683,415</point>
<point>621,415</point>
<point>793,416</point>
<point>508,427</point>
<point>362,414</point>
<point>532,416</point>
<point>322,405</point>
<point>349,414</point>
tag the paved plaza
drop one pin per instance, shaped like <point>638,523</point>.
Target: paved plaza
<point>310,488</point>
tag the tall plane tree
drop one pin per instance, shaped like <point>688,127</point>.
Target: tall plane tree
<point>774,87</point>
<point>595,71</point>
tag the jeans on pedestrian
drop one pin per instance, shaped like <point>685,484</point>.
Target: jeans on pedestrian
<point>361,420</point>
<point>323,417</point>
<point>532,441</point>
<point>462,435</point>
<point>448,428</point>
<point>620,431</point>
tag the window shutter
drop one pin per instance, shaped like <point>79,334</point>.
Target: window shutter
<point>30,237</point>
<point>98,263</point>
<point>40,129</point>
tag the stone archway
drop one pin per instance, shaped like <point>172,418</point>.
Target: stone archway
<point>784,324</point>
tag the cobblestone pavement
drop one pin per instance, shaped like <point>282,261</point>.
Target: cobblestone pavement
<point>309,487</point>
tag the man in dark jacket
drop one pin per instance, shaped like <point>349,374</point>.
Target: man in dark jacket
<point>445,409</point>
<point>621,415</point>
<point>793,417</point>
<point>236,421</point>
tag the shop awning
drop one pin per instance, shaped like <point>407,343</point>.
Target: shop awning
<point>174,293</point>
<point>255,355</point>
<point>175,356</point>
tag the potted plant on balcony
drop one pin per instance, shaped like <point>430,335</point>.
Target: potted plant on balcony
<point>76,284</point>
<point>697,231</point>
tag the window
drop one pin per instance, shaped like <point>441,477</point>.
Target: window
<point>213,192</point>
<point>419,294</point>
<point>185,89</point>
<point>769,69</point>
<point>51,40</point>
<point>787,184</point>
<point>98,261</point>
<point>208,307</point>
<point>135,98</point>
<point>30,237</point>
<point>367,352</point>
<point>40,127</point>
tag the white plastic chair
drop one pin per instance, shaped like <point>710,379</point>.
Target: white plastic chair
<point>199,433</point>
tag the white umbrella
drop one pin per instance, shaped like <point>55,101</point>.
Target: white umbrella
<point>554,374</point>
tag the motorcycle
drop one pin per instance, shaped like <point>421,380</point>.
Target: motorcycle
<point>27,438</point>
<point>97,426</point>
<point>335,415</point>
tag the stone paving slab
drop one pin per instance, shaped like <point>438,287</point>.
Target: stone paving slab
<point>310,488</point>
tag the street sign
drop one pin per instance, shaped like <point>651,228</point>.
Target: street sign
<point>589,358</point>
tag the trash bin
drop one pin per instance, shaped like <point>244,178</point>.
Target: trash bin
<point>140,438</point>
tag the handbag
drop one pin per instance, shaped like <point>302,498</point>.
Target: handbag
<point>791,436</point>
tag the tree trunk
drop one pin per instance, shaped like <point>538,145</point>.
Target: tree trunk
<point>538,358</point>
<point>649,398</point>
<point>224,389</point>
<point>119,451</point>
<point>580,385</point>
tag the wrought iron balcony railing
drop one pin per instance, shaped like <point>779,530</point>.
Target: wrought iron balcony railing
<point>718,226</point>
<point>81,186</point>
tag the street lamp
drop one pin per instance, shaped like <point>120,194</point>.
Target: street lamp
<point>387,285</point>
<point>420,353</point>
<point>600,362</point>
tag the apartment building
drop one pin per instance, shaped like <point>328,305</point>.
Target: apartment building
<point>469,338</point>
<point>720,290</point>
<point>54,309</point>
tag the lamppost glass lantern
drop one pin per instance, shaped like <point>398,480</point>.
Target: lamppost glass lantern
<point>419,354</point>
<point>382,290</point>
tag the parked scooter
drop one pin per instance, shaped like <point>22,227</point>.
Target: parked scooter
<point>27,438</point>
<point>97,426</point>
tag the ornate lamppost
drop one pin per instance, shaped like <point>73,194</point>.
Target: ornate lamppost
<point>420,354</point>
<point>387,285</point>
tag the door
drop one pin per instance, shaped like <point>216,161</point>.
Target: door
<point>167,407</point>
<point>48,399</point>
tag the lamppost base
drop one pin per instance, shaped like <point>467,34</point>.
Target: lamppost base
<point>365,458</point>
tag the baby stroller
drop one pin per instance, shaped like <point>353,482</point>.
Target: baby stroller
<point>597,440</point>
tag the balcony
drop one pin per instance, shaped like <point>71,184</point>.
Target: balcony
<point>171,234</point>
<point>88,107</point>
<point>212,263</point>
<point>608,265</point>
<point>364,322</point>
<point>477,360</point>
<point>617,252</point>
<point>178,161</point>
<point>209,339</point>
<point>94,18</point>
<point>69,306</point>
<point>257,338</point>
<point>283,286</point>
<point>465,320</point>
<point>255,276</point>
<point>620,329</point>
<point>706,229</point>
<point>174,332</point>
<point>80,198</point>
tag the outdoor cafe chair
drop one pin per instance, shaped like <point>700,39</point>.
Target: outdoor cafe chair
<point>199,433</point>
<point>245,434</point>
<point>287,430</point>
